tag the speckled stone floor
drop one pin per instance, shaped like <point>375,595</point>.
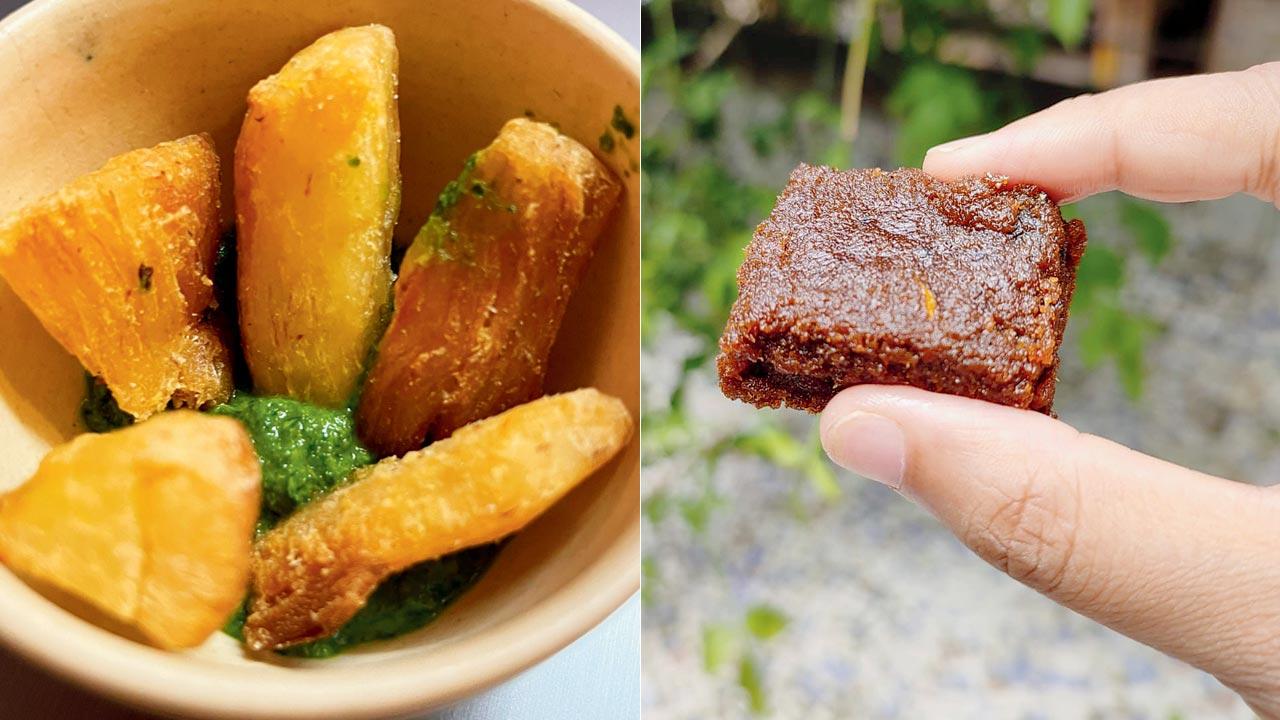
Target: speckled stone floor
<point>890,616</point>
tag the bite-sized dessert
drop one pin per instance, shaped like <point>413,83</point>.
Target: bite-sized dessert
<point>899,278</point>
<point>116,265</point>
<point>489,479</point>
<point>483,287</point>
<point>317,187</point>
<point>151,524</point>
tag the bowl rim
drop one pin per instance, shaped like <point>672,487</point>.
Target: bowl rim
<point>145,677</point>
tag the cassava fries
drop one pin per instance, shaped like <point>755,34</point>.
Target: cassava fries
<point>116,265</point>
<point>484,286</point>
<point>317,186</point>
<point>491,478</point>
<point>151,524</point>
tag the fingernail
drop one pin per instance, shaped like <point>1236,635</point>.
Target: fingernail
<point>955,145</point>
<point>870,445</point>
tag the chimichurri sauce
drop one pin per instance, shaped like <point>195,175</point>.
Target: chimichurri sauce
<point>98,409</point>
<point>305,452</point>
<point>403,602</point>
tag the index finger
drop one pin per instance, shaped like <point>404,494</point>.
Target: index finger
<point>1177,139</point>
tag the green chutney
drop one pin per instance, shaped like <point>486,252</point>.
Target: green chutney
<point>305,452</point>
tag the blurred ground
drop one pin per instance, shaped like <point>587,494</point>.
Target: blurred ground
<point>889,616</point>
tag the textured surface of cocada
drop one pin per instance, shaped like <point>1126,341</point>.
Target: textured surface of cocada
<point>488,480</point>
<point>484,286</point>
<point>151,524</point>
<point>868,276</point>
<point>317,193</point>
<point>116,265</point>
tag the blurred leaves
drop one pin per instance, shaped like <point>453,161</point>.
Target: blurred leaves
<point>765,621</point>
<point>720,283</point>
<point>1027,45</point>
<point>934,103</point>
<point>1107,329</point>
<point>650,575</point>
<point>666,432</point>
<point>725,643</point>
<point>1149,228</point>
<point>779,447</point>
<point>1101,273</point>
<point>820,475</point>
<point>656,506</point>
<point>750,680</point>
<point>814,15</point>
<point>1113,332</point>
<point>808,113</point>
<point>773,444</point>
<point>696,511</point>
<point>1069,21</point>
<point>696,223</point>
<point>701,100</point>
<point>925,22</point>
<point>719,644</point>
<point>662,54</point>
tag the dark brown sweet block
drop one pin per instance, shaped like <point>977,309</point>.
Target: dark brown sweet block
<point>898,278</point>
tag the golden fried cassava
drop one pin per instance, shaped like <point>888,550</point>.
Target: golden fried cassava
<point>116,265</point>
<point>484,286</point>
<point>151,524</point>
<point>317,192</point>
<point>491,478</point>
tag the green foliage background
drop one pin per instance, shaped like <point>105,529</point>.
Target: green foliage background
<point>698,215</point>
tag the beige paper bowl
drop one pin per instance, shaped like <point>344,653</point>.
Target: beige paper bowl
<point>82,80</point>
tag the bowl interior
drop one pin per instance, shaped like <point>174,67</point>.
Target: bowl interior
<point>83,81</point>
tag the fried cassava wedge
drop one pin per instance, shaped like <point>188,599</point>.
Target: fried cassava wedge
<point>116,265</point>
<point>151,524</point>
<point>491,478</point>
<point>317,192</point>
<point>483,287</point>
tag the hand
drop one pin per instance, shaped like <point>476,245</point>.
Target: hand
<point>1179,560</point>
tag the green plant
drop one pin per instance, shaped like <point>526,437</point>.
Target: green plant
<point>739,644</point>
<point>1069,20</point>
<point>934,101</point>
<point>1108,330</point>
<point>805,458</point>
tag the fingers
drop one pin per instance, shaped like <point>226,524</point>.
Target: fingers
<point>1177,139</point>
<point>1182,561</point>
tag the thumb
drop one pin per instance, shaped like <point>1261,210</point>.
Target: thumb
<point>1185,562</point>
<point>1173,139</point>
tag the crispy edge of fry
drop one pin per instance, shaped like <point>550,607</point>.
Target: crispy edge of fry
<point>316,570</point>
<point>285,348</point>
<point>201,373</point>
<point>168,440</point>
<point>178,608</point>
<point>562,198</point>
